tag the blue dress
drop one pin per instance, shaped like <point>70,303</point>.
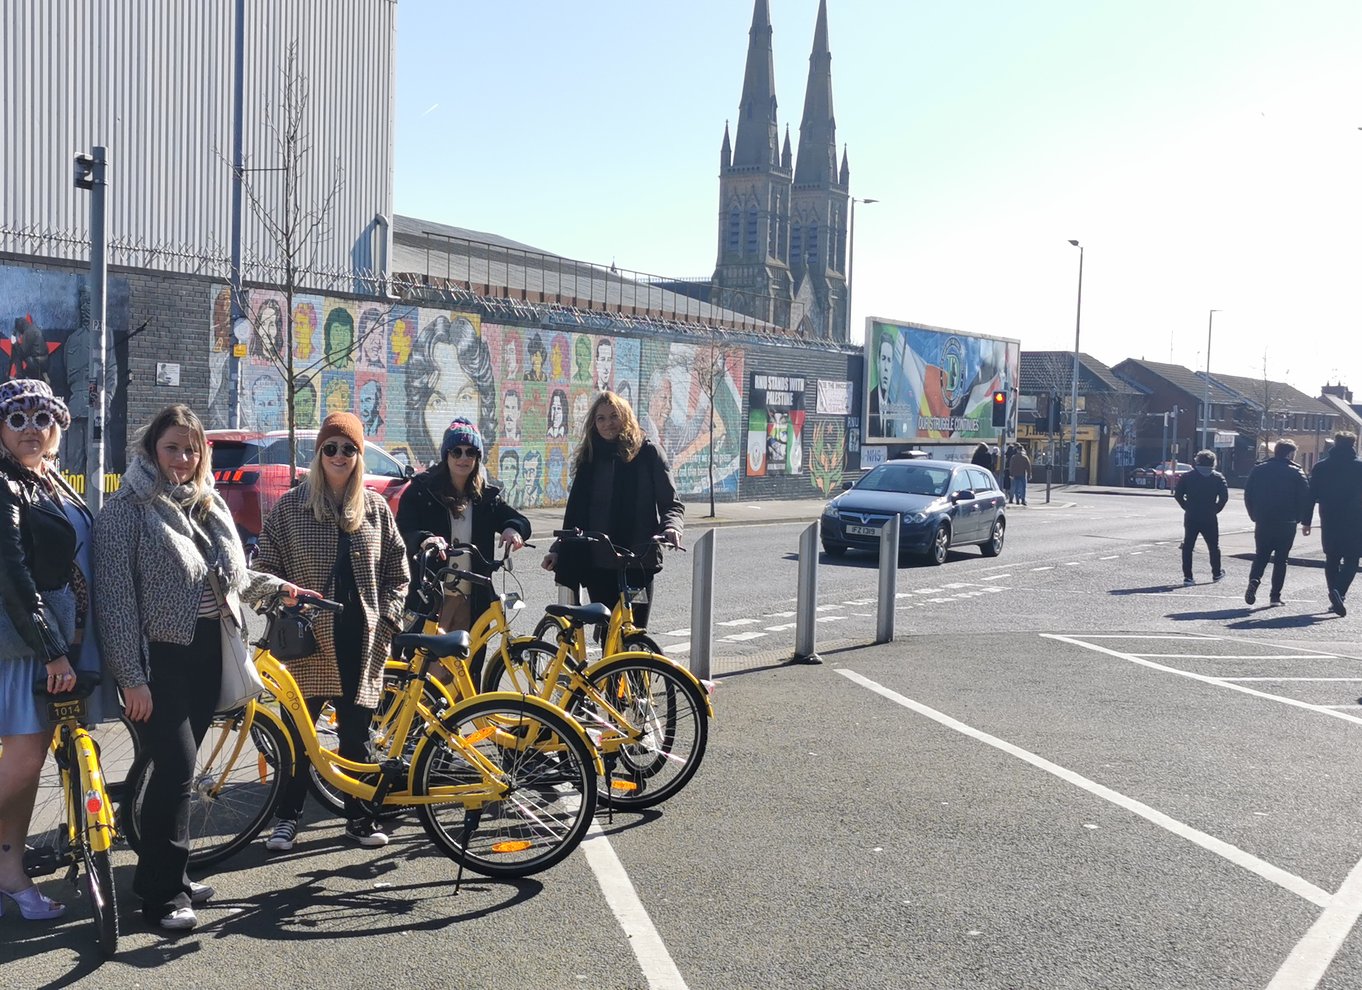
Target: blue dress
<point>20,712</point>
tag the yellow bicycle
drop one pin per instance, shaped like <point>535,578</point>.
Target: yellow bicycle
<point>88,827</point>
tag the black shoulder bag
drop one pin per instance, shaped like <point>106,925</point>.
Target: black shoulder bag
<point>289,634</point>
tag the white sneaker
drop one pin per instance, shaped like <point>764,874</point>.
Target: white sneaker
<point>281,839</point>
<point>179,920</point>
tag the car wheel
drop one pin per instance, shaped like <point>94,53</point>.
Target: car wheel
<point>833,550</point>
<point>940,546</point>
<point>994,544</point>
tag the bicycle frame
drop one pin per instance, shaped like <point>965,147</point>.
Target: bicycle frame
<point>71,744</point>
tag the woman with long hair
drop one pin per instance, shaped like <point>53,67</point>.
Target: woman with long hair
<point>161,544</point>
<point>454,502</point>
<point>622,487</point>
<point>43,523</point>
<point>331,532</point>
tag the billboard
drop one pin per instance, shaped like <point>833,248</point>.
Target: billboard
<point>929,384</point>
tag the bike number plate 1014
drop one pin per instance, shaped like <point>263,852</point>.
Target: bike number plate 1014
<point>863,530</point>
<point>60,711</point>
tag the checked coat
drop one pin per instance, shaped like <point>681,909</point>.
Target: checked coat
<point>298,548</point>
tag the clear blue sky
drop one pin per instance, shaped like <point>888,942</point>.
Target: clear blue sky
<point>1207,154</point>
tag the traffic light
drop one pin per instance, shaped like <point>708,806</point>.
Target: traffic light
<point>999,408</point>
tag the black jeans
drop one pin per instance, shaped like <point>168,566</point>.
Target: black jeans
<point>1208,530</point>
<point>1272,540</point>
<point>352,720</point>
<point>603,585</point>
<point>1340,567</point>
<point>185,681</point>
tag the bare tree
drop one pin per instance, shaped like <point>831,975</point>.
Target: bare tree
<point>295,223</point>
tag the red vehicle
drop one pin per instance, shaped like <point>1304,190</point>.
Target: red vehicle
<point>251,471</point>
<point>1165,474</point>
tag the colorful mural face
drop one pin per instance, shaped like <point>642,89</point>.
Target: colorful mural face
<point>42,335</point>
<point>407,372</point>
<point>928,384</point>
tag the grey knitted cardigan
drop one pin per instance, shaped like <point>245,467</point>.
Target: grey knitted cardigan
<point>150,573</point>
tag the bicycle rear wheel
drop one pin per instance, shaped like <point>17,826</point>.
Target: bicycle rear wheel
<point>529,662</point>
<point>544,774</point>
<point>659,734</point>
<point>242,767</point>
<point>99,884</point>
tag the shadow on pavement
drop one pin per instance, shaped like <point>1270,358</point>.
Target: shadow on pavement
<point>1151,590</point>
<point>1276,621</point>
<point>1222,613</point>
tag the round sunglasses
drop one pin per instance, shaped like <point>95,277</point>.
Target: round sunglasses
<point>463,451</point>
<point>333,448</point>
<point>20,420</point>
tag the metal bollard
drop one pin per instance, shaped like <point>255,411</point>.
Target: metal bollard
<point>806,611</point>
<point>702,606</point>
<point>889,579</point>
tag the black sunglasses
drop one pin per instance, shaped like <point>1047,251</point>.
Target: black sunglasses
<point>463,451</point>
<point>19,420</point>
<point>332,449</point>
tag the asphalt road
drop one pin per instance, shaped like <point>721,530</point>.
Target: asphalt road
<point>1067,771</point>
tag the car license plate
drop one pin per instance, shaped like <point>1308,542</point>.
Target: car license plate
<point>863,530</point>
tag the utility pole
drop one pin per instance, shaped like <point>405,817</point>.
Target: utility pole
<point>240,332</point>
<point>90,174</point>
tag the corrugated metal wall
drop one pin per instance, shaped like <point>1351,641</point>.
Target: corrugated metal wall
<point>152,81</point>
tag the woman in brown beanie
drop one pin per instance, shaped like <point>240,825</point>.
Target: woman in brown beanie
<point>332,533</point>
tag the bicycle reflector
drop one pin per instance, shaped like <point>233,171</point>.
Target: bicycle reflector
<point>93,802</point>
<point>999,408</point>
<point>512,846</point>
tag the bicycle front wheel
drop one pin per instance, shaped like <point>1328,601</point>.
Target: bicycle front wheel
<point>529,787</point>
<point>243,765</point>
<point>654,727</point>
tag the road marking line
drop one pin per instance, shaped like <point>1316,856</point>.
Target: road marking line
<point>743,637</point>
<point>1349,708</point>
<point>650,951</point>
<point>925,591</point>
<point>782,627</point>
<point>1177,636</point>
<point>1072,563</point>
<point>1050,568</point>
<point>1310,959</point>
<point>1136,553</point>
<point>1342,679</point>
<point>676,648</point>
<point>1274,874</point>
<point>1112,557</point>
<point>1205,679</point>
<point>829,618</point>
<point>739,622</point>
<point>1235,656</point>
<point>779,615</point>
<point>678,632</point>
<point>997,577</point>
<point>827,608</point>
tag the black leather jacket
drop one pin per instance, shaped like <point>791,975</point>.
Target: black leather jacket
<point>37,550</point>
<point>1277,492</point>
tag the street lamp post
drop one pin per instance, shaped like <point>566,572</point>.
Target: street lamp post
<point>1073,385</point>
<point>1206,406</point>
<point>851,253</point>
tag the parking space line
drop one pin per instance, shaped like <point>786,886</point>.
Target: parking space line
<point>650,951</point>
<point>1204,678</point>
<point>1236,656</point>
<point>1310,959</point>
<point>1273,874</point>
<point>996,577</point>
<point>1177,636</point>
<point>1353,679</point>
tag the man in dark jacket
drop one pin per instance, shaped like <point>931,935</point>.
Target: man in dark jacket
<point>1336,487</point>
<point>1277,496</point>
<point>1202,493</point>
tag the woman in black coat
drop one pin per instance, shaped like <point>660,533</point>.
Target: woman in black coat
<point>453,501</point>
<point>621,486</point>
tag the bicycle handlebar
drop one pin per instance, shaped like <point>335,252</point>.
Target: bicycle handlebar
<point>622,553</point>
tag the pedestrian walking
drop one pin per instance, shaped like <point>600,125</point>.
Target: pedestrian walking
<point>1007,471</point>
<point>982,457</point>
<point>622,487</point>
<point>331,532</point>
<point>165,544</point>
<point>1277,497</point>
<point>1201,493</point>
<point>1336,487</point>
<point>1020,467</point>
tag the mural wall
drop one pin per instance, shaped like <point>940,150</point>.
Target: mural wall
<point>407,371</point>
<point>43,335</point>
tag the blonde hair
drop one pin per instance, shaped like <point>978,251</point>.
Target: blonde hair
<point>631,436</point>
<point>49,461</point>
<point>178,414</point>
<point>350,513</point>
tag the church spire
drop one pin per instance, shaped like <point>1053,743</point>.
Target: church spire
<point>785,151</point>
<point>726,152</point>
<point>758,136</point>
<point>817,160</point>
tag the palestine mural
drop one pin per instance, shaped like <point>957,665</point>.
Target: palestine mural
<point>43,335</point>
<point>407,371</point>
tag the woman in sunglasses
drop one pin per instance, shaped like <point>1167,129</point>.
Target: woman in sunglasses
<point>42,526</point>
<point>164,547</point>
<point>331,532</point>
<point>454,502</point>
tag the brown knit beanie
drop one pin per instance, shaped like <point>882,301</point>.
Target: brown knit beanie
<point>343,425</point>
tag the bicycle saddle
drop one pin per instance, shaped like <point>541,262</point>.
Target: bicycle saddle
<point>452,644</point>
<point>582,615</point>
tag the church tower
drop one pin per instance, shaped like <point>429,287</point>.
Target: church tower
<point>752,274</point>
<point>818,206</point>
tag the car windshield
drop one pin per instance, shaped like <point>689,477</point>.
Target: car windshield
<point>907,479</point>
<point>277,451</point>
<point>230,454</point>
